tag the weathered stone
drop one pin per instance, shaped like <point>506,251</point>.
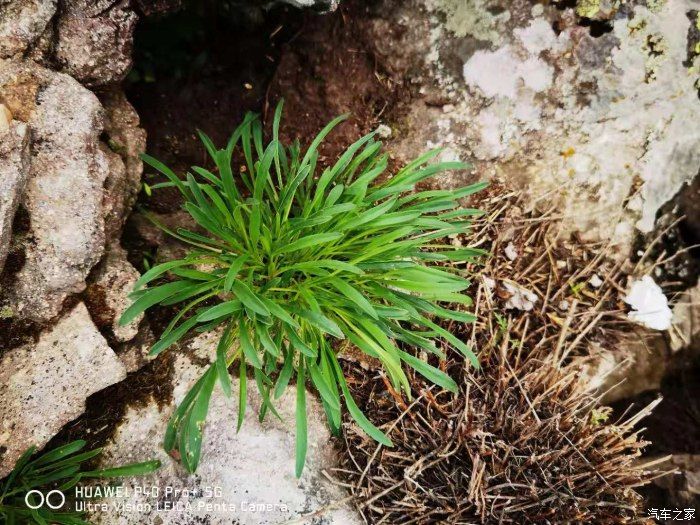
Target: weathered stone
<point>637,365</point>
<point>19,87</point>
<point>64,192</point>
<point>681,488</point>
<point>44,386</point>
<point>602,127</point>
<point>14,168</point>
<point>112,281</point>
<point>125,142</point>
<point>21,23</point>
<point>253,466</point>
<point>95,40</point>
<point>685,327</point>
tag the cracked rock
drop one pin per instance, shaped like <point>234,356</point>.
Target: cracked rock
<point>64,191</point>
<point>44,386</point>
<point>14,167</point>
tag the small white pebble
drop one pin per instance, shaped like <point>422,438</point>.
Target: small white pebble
<point>383,131</point>
<point>488,282</point>
<point>561,265</point>
<point>511,252</point>
<point>595,281</point>
<point>564,305</point>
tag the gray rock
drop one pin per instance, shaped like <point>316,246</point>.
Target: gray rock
<point>14,168</point>
<point>126,141</point>
<point>602,127</point>
<point>253,466</point>
<point>44,386</point>
<point>112,281</point>
<point>685,326</point>
<point>21,23</point>
<point>64,192</point>
<point>680,489</point>
<point>95,40</point>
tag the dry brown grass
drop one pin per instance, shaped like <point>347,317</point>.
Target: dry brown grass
<point>524,442</point>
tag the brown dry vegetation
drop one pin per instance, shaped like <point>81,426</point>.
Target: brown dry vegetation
<point>524,442</point>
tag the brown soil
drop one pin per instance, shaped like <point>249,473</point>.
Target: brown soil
<point>333,69</point>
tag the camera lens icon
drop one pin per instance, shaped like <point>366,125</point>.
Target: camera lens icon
<point>50,500</point>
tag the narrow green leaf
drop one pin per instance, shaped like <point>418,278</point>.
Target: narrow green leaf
<point>355,412</point>
<point>301,441</point>
<point>242,393</point>
<point>308,242</point>
<point>355,296</point>
<point>248,298</point>
<point>220,310</point>
<point>222,360</point>
<point>432,374</point>
<point>247,346</point>
<point>285,375</point>
<point>322,322</point>
<point>151,297</point>
<point>323,387</point>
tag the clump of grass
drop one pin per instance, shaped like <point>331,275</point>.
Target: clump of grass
<point>59,469</point>
<point>295,259</point>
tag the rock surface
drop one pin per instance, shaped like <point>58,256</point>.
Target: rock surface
<point>64,192</point>
<point>602,126</point>
<point>681,490</point>
<point>685,328</point>
<point>22,22</point>
<point>14,168</point>
<point>126,140</point>
<point>95,40</point>
<point>111,283</point>
<point>44,386</point>
<point>252,467</point>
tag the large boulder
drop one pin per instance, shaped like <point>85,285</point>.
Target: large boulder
<point>595,119</point>
<point>64,191</point>
<point>44,386</point>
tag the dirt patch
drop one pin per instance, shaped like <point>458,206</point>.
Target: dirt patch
<point>333,68</point>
